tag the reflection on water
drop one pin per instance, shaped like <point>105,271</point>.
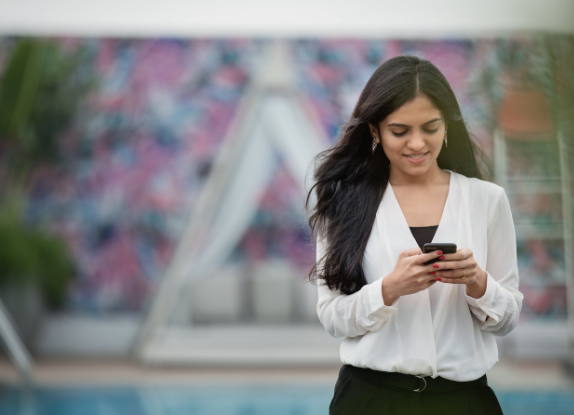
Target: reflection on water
<point>226,400</point>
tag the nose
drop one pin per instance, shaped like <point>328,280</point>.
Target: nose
<point>416,142</point>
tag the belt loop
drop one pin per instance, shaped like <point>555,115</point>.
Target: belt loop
<point>425,384</point>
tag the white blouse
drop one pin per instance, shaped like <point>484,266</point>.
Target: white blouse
<point>439,331</point>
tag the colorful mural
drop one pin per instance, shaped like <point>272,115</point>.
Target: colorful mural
<point>137,156</point>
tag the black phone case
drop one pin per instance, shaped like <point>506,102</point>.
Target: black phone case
<point>446,248</point>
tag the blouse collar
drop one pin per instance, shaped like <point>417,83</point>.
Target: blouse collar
<point>394,229</point>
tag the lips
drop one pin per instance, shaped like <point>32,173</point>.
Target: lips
<point>417,158</point>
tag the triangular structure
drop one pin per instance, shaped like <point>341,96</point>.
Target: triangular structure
<point>16,349</point>
<point>273,118</point>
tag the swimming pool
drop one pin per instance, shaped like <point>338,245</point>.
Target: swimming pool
<point>224,400</point>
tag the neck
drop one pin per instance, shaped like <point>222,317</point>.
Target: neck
<point>433,176</point>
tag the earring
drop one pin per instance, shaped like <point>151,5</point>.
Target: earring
<point>445,140</point>
<point>374,145</point>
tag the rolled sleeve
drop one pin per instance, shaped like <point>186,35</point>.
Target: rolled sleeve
<point>480,306</point>
<point>376,300</point>
<point>355,314</point>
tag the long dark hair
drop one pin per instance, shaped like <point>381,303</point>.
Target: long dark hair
<point>350,181</point>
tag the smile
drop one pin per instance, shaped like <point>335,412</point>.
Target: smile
<point>417,158</point>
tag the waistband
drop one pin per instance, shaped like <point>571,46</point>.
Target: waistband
<point>411,383</point>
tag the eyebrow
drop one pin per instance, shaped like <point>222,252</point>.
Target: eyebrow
<point>404,125</point>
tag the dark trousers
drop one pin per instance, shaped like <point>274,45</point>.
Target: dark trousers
<point>369,392</point>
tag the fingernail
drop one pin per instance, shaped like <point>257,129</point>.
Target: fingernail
<point>438,279</point>
<point>441,257</point>
<point>435,265</point>
<point>432,273</point>
<point>439,252</point>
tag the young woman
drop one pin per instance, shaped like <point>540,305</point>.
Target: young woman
<point>418,338</point>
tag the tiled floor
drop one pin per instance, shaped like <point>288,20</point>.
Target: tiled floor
<point>506,375</point>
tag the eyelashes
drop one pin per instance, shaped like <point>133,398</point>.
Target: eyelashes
<point>403,133</point>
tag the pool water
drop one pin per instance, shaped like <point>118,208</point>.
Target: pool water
<point>225,400</point>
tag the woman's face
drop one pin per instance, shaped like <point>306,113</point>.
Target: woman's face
<point>412,136</point>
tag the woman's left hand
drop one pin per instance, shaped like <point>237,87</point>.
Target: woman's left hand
<point>463,269</point>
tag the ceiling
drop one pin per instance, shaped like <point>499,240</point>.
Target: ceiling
<point>294,18</point>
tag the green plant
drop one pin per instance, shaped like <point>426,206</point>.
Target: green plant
<point>41,89</point>
<point>31,256</point>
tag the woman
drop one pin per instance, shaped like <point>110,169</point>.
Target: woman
<point>417,338</point>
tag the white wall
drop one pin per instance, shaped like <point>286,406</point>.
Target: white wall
<point>273,18</point>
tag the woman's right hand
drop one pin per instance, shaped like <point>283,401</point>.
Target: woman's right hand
<point>410,275</point>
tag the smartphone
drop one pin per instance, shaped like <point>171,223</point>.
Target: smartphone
<point>445,248</point>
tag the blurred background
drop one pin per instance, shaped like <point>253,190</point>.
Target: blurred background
<point>153,166</point>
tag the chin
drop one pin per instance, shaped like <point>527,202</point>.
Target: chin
<point>417,171</point>
<point>414,169</point>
